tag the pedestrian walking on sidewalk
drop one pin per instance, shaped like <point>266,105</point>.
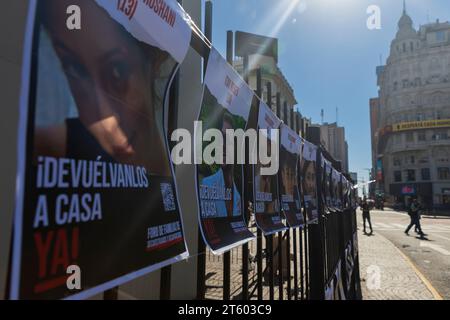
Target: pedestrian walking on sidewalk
<point>414,214</point>
<point>365,207</point>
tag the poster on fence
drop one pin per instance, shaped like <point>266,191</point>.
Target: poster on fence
<point>226,105</point>
<point>345,193</point>
<point>354,197</point>
<point>266,192</point>
<point>308,179</point>
<point>349,265</point>
<point>355,245</point>
<point>97,201</point>
<point>329,290</point>
<point>334,288</point>
<point>327,185</point>
<point>336,190</point>
<point>339,293</point>
<point>290,150</point>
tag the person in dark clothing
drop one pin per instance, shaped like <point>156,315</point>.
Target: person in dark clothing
<point>365,207</point>
<point>414,213</point>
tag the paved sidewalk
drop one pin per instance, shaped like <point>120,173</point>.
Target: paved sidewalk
<point>214,274</point>
<point>385,273</point>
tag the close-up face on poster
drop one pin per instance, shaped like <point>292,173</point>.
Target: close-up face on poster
<point>309,182</point>
<point>290,150</point>
<point>226,105</point>
<point>98,191</point>
<point>266,192</point>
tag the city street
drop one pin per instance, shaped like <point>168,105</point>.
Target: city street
<point>428,258</point>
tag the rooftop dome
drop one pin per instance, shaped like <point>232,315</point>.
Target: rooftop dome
<point>405,26</point>
<point>405,21</point>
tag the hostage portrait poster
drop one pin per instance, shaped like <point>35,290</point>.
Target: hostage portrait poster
<point>226,105</point>
<point>336,190</point>
<point>308,178</point>
<point>266,190</point>
<point>327,186</point>
<point>96,184</point>
<point>290,150</point>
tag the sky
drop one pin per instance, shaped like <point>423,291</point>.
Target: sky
<point>327,53</point>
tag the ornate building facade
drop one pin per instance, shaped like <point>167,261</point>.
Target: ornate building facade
<point>411,143</point>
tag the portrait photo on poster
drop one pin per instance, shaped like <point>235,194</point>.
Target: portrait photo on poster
<point>266,186</point>
<point>308,177</point>
<point>98,188</point>
<point>226,104</point>
<point>290,151</point>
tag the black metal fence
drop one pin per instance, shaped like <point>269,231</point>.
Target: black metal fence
<point>297,264</point>
<point>304,261</point>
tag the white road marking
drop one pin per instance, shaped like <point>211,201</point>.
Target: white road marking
<point>441,237</point>
<point>400,226</point>
<point>383,225</point>
<point>435,247</point>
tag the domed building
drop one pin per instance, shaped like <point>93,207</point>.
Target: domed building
<point>411,117</point>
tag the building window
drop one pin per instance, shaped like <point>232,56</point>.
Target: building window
<point>440,36</point>
<point>410,175</point>
<point>395,86</point>
<point>397,162</point>
<point>405,84</point>
<point>409,137</point>
<point>397,176</point>
<point>443,173</point>
<point>424,160</point>
<point>422,136</point>
<point>440,135</point>
<point>411,45</point>
<point>426,174</point>
<point>404,47</point>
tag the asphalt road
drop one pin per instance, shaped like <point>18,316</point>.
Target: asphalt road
<point>431,256</point>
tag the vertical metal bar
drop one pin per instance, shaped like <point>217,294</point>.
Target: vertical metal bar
<point>303,245</point>
<point>226,255</point>
<point>247,200</point>
<point>111,294</point>
<point>259,250</point>
<point>316,257</point>
<point>269,239</point>
<point>166,272</point>
<point>226,276</point>
<point>164,286</point>
<point>294,235</point>
<point>288,262</point>
<point>201,267</point>
<point>259,264</point>
<point>306,256</point>
<point>280,265</point>
<point>302,269</point>
<point>269,249</point>
<point>201,258</point>
<point>280,234</point>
